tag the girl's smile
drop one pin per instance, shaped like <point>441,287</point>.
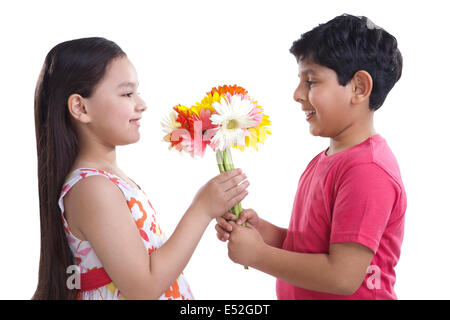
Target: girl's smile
<point>136,122</point>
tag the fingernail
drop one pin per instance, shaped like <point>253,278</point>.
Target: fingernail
<point>239,221</point>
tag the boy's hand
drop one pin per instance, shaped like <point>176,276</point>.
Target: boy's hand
<point>245,245</point>
<point>224,227</point>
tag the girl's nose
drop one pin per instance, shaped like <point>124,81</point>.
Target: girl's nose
<point>141,105</point>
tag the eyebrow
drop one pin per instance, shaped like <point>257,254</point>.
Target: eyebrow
<point>308,71</point>
<point>127,84</point>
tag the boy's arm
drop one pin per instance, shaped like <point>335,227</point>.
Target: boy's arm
<point>273,236</point>
<point>341,271</point>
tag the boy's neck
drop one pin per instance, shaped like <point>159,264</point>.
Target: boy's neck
<point>348,139</point>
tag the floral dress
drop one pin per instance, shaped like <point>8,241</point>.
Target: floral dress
<point>145,218</point>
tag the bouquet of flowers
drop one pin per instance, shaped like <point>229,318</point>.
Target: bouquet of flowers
<point>225,118</point>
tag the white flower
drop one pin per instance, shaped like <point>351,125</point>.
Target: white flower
<point>170,123</point>
<point>235,114</point>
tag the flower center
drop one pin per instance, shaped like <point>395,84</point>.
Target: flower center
<point>232,124</point>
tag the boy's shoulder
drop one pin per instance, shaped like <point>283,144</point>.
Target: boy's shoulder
<point>372,153</point>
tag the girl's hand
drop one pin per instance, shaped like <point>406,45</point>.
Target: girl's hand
<point>221,193</point>
<point>224,227</point>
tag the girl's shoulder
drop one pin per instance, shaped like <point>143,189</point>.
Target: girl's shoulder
<point>83,182</point>
<point>84,198</point>
<point>87,189</point>
<point>93,185</point>
<point>82,173</point>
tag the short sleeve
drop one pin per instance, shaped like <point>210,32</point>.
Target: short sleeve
<point>365,199</point>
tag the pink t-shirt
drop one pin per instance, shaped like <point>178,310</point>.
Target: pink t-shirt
<point>355,195</point>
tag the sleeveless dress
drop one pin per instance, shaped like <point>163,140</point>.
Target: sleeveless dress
<point>151,234</point>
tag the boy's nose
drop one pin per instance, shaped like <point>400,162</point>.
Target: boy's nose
<point>299,95</point>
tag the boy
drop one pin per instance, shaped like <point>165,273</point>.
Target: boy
<point>347,222</point>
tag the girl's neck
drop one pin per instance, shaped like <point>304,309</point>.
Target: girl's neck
<point>97,156</point>
<point>102,159</point>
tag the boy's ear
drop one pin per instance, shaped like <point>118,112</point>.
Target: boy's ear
<point>77,108</point>
<point>362,86</point>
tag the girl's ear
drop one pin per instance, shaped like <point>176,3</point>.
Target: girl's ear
<point>362,86</point>
<point>77,109</point>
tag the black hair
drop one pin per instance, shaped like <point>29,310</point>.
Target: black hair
<point>74,66</point>
<point>347,44</point>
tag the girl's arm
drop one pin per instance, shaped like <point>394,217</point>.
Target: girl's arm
<point>98,210</point>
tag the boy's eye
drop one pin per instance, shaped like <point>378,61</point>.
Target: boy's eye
<point>128,94</point>
<point>310,83</point>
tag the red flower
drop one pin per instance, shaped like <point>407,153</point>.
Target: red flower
<point>195,132</point>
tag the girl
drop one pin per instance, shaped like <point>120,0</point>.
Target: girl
<point>92,215</point>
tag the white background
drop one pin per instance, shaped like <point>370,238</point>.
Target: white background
<point>181,49</point>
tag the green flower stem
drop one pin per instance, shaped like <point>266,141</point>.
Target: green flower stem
<point>225,163</point>
<point>219,157</point>
<point>230,166</point>
<point>222,168</point>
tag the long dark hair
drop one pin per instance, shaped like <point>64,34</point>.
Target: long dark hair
<point>75,66</point>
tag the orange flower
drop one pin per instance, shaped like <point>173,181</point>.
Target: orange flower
<point>232,90</point>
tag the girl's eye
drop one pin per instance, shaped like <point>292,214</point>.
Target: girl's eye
<point>128,94</point>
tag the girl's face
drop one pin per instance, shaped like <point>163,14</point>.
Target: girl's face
<point>115,107</point>
<point>320,92</point>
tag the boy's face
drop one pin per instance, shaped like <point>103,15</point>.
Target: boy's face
<point>320,92</point>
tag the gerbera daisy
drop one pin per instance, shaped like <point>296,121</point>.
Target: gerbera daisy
<point>234,116</point>
<point>202,129</point>
<point>222,90</point>
<point>169,123</point>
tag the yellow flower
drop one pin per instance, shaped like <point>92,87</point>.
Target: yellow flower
<point>258,134</point>
<point>206,103</point>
